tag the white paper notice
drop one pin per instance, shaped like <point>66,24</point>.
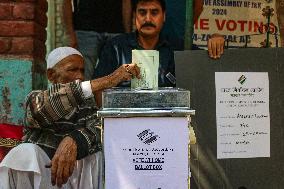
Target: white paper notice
<point>242,114</point>
<point>146,153</point>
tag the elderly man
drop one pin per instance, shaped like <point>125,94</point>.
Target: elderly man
<point>62,127</point>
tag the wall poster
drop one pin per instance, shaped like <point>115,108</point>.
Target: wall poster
<point>241,22</point>
<point>242,114</point>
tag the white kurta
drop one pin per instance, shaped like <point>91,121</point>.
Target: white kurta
<point>24,168</point>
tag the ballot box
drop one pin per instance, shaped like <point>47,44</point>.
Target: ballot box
<point>146,138</point>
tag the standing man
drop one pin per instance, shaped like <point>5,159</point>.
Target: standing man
<point>149,19</point>
<point>90,23</point>
<point>62,127</point>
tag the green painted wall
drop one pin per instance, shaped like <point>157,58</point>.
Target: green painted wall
<point>15,84</point>
<point>188,25</point>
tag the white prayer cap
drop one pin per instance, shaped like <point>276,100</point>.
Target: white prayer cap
<point>59,54</point>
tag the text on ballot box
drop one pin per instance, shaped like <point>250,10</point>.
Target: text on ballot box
<point>146,152</point>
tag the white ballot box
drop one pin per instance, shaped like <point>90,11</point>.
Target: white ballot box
<point>146,138</point>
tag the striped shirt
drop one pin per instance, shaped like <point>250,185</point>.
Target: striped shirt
<point>61,111</point>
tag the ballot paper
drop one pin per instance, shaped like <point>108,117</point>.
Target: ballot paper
<point>148,62</point>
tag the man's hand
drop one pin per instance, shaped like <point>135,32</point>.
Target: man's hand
<point>131,69</point>
<point>63,161</point>
<point>216,46</point>
<point>126,72</point>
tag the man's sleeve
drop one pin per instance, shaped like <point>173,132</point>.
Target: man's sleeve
<point>108,61</point>
<point>88,139</point>
<point>59,101</point>
<point>172,64</point>
<point>170,70</point>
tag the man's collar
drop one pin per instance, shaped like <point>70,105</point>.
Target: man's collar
<point>134,42</point>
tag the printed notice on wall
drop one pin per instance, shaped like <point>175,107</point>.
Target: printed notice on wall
<point>242,114</point>
<point>146,153</point>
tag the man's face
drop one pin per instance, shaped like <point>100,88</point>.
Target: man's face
<point>149,18</point>
<point>67,70</point>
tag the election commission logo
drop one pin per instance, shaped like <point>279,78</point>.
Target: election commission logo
<point>148,137</point>
<point>242,79</point>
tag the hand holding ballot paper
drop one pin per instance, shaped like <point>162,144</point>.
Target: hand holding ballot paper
<point>148,62</point>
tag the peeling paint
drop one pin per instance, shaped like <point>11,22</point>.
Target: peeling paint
<point>15,84</point>
<point>6,104</point>
<point>21,83</point>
